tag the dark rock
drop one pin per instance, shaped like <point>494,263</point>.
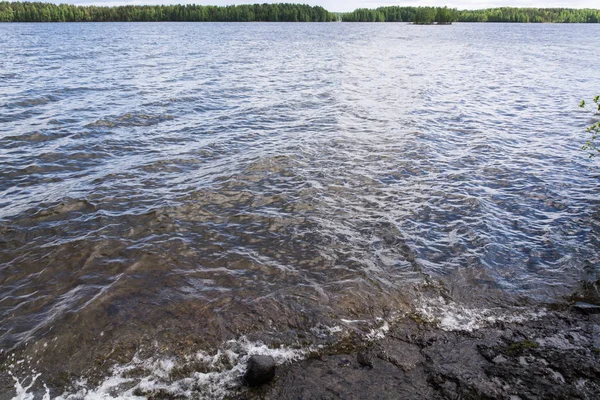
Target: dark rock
<point>587,308</point>
<point>365,359</point>
<point>403,355</point>
<point>555,356</point>
<point>487,352</point>
<point>261,370</point>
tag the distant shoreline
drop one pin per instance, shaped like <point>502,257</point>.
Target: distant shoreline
<point>285,12</point>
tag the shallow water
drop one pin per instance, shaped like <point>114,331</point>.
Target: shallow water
<point>179,185</point>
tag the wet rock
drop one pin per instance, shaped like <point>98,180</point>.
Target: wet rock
<point>499,359</point>
<point>587,308</point>
<point>365,359</point>
<point>555,356</point>
<point>261,370</point>
<point>403,355</point>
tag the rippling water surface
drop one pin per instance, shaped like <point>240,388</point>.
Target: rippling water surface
<point>179,185</point>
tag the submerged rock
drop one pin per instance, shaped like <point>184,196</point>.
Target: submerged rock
<point>365,359</point>
<point>405,356</point>
<point>261,370</point>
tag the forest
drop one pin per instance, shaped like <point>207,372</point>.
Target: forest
<point>547,15</point>
<point>418,15</point>
<point>430,15</point>
<point>48,12</point>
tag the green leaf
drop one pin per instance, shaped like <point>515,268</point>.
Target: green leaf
<point>582,104</point>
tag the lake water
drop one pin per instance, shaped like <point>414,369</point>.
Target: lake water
<point>172,195</point>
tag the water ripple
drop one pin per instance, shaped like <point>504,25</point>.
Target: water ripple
<point>273,177</point>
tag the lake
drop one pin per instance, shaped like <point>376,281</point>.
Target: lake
<point>176,196</point>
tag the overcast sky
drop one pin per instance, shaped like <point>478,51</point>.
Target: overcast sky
<point>349,5</point>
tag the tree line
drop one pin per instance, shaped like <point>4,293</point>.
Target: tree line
<point>48,12</point>
<point>510,14</point>
<point>444,15</point>
<point>417,15</point>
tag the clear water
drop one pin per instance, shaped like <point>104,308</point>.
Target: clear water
<point>178,185</point>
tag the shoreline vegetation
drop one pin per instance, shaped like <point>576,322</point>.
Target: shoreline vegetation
<point>285,12</point>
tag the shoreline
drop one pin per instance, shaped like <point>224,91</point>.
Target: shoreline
<point>438,349</point>
<point>554,356</point>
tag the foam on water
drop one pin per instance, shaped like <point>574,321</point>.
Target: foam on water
<point>451,316</point>
<point>22,392</point>
<point>378,333</point>
<point>222,373</point>
<point>201,375</point>
<point>216,375</point>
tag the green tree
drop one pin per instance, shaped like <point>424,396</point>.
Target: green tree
<point>445,16</point>
<point>592,146</point>
<point>6,12</point>
<point>425,16</point>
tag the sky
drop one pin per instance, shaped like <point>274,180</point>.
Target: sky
<point>349,5</point>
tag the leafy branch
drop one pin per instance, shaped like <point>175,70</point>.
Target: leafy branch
<point>592,146</point>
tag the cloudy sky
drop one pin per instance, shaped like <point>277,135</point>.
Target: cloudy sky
<point>349,5</point>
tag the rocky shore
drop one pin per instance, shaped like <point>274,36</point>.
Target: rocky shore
<point>555,356</point>
<point>439,350</point>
